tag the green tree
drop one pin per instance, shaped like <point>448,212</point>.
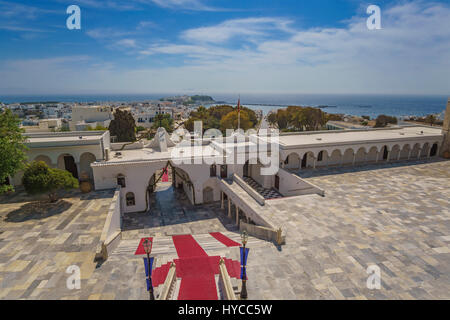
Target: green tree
<point>163,120</point>
<point>123,126</point>
<point>230,121</point>
<point>12,148</point>
<point>383,120</point>
<point>39,178</point>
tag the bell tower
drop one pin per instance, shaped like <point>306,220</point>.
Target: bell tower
<point>446,131</point>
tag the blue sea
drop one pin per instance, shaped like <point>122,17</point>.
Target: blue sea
<point>370,105</point>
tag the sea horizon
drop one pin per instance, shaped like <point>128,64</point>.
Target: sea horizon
<point>399,105</point>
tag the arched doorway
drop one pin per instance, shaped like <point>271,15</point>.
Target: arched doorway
<point>434,150</point>
<point>45,159</point>
<point>85,164</point>
<point>67,162</point>
<point>385,152</point>
<point>304,161</point>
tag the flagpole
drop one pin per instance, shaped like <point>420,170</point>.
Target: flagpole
<point>239,112</point>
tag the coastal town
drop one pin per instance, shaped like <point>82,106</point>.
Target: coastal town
<point>232,158</point>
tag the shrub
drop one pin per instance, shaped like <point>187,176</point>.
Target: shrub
<point>39,178</point>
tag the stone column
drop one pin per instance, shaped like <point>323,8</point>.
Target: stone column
<point>237,216</point>
<point>388,156</point>
<point>399,154</point>
<point>354,159</point>
<point>420,152</point>
<point>221,200</point>
<point>409,153</point>
<point>314,163</point>
<point>378,156</point>
<point>229,207</point>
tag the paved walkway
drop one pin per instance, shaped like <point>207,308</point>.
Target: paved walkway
<point>396,217</point>
<point>38,241</point>
<point>172,213</point>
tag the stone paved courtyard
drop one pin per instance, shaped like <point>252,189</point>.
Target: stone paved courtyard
<point>395,216</point>
<point>39,241</point>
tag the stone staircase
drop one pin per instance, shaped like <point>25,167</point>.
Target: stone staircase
<point>164,252</point>
<point>266,193</point>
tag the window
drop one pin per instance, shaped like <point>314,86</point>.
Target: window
<point>213,171</point>
<point>130,199</point>
<point>320,156</point>
<point>223,171</point>
<point>121,181</point>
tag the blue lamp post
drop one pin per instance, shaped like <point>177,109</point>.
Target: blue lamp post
<point>244,255</point>
<point>148,272</point>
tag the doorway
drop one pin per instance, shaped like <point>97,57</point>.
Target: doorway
<point>70,165</point>
<point>304,161</point>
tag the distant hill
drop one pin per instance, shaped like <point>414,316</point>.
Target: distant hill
<point>202,99</point>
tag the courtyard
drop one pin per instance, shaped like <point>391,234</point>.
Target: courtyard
<point>394,216</point>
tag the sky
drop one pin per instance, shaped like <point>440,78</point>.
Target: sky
<point>224,46</point>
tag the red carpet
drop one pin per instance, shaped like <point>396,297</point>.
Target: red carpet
<point>159,275</point>
<point>165,177</point>
<point>224,239</point>
<point>187,247</point>
<point>196,270</point>
<point>140,248</point>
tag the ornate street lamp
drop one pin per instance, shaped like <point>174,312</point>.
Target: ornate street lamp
<point>244,254</point>
<point>148,248</point>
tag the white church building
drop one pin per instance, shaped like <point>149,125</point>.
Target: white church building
<point>215,169</point>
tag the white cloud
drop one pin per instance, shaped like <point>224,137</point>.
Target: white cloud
<point>411,54</point>
<point>249,28</point>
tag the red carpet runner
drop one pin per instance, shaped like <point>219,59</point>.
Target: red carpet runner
<point>196,270</point>
<point>224,239</point>
<point>165,177</point>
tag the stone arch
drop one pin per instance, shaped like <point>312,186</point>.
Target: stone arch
<point>208,195</point>
<point>45,159</point>
<point>384,154</point>
<point>85,164</point>
<point>322,158</point>
<point>307,160</point>
<point>425,150</point>
<point>335,157</point>
<point>372,154</point>
<point>293,161</point>
<point>434,149</point>
<point>405,152</point>
<point>348,156</point>
<point>360,155</point>
<point>67,162</point>
<point>415,151</point>
<point>395,153</point>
